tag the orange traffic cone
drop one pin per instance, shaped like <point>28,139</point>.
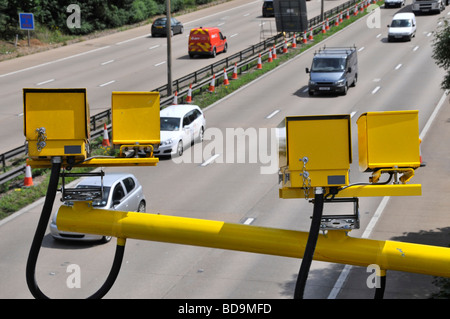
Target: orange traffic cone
<point>105,141</point>
<point>189,94</point>
<point>259,65</point>
<point>336,23</point>
<point>285,47</point>
<point>175,98</point>
<point>355,13</point>
<point>305,39</point>
<point>311,37</point>
<point>212,86</point>
<point>270,59</point>
<point>225,78</point>
<point>327,26</point>
<point>234,75</point>
<point>294,41</point>
<point>340,18</point>
<point>274,53</point>
<point>323,28</point>
<point>348,14</point>
<point>28,180</point>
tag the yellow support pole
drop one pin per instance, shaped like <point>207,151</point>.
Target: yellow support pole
<point>335,246</point>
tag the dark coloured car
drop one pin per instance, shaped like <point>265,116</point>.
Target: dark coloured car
<point>267,9</point>
<point>159,27</point>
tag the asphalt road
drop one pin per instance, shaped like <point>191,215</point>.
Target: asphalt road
<point>393,76</point>
<point>126,61</point>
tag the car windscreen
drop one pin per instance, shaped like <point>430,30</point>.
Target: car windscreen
<point>104,200</point>
<point>170,123</point>
<point>401,23</point>
<point>328,65</point>
<point>160,22</point>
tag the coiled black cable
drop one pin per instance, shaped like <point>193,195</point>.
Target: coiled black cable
<point>39,235</point>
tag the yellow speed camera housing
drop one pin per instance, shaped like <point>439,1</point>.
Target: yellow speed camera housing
<point>135,118</point>
<point>388,140</point>
<point>56,123</point>
<point>318,151</point>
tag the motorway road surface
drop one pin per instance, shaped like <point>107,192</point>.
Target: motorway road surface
<point>393,76</point>
<point>126,61</point>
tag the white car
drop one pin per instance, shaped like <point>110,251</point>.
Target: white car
<point>403,26</point>
<point>181,125</point>
<point>121,191</point>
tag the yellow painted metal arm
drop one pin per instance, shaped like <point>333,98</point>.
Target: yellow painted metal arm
<point>335,247</point>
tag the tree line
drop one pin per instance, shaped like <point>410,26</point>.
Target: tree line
<point>93,14</point>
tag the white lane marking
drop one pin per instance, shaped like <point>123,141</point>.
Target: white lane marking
<point>154,47</point>
<point>415,48</point>
<point>210,160</point>
<point>249,220</point>
<point>352,114</point>
<point>45,82</point>
<point>160,63</point>
<point>107,83</point>
<point>375,90</point>
<point>107,62</point>
<point>55,61</point>
<point>272,114</point>
<point>398,66</point>
<point>132,39</point>
<point>233,35</point>
<point>360,49</point>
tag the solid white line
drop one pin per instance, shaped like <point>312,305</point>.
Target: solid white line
<point>132,39</point>
<point>212,158</point>
<point>45,82</point>
<point>375,90</point>
<point>51,62</point>
<point>107,83</point>
<point>272,114</point>
<point>107,62</point>
<point>160,63</point>
<point>345,272</point>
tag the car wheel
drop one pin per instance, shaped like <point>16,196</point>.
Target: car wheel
<point>141,207</point>
<point>180,148</point>
<point>225,48</point>
<point>345,89</point>
<point>106,239</point>
<point>311,93</point>
<point>213,54</point>
<point>181,30</point>
<point>201,134</point>
<point>355,80</point>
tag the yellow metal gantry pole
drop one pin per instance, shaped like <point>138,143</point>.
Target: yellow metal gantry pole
<point>336,246</point>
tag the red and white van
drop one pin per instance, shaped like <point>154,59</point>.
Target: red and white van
<point>206,41</point>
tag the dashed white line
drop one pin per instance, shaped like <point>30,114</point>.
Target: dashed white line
<point>160,63</point>
<point>210,160</point>
<point>272,114</point>
<point>375,90</point>
<point>132,39</point>
<point>107,83</point>
<point>249,220</point>
<point>378,35</point>
<point>45,82</point>
<point>360,49</point>
<point>154,47</point>
<point>352,114</point>
<point>233,35</point>
<point>107,62</point>
<point>246,15</point>
<point>398,66</point>
<point>415,48</point>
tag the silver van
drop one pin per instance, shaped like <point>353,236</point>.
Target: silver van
<point>333,70</point>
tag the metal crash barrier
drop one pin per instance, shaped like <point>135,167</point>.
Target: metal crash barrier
<point>315,155</point>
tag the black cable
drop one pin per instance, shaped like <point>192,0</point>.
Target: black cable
<point>310,245</point>
<point>379,292</point>
<point>39,235</point>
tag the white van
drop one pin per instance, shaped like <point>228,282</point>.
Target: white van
<point>403,26</point>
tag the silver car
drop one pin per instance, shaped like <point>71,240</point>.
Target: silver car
<point>121,191</point>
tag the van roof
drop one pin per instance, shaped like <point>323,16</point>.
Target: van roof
<point>177,110</point>
<point>404,15</point>
<point>213,29</point>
